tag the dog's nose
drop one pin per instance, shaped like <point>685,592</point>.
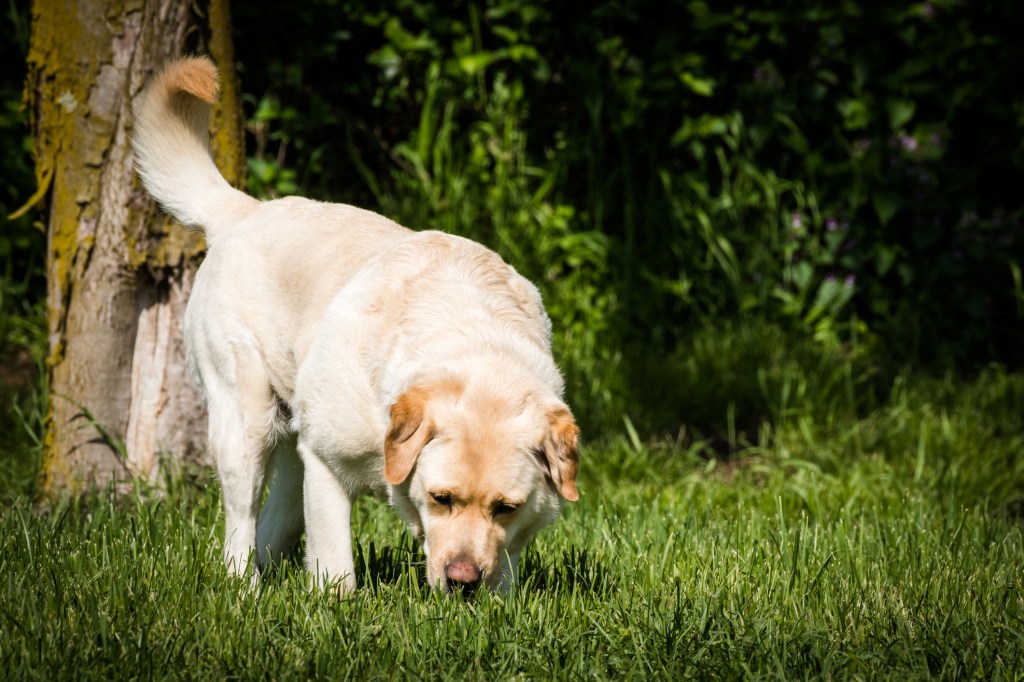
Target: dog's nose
<point>463,574</point>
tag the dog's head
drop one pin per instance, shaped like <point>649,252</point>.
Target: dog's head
<point>476,472</point>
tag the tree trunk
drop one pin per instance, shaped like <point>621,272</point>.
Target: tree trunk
<point>119,272</point>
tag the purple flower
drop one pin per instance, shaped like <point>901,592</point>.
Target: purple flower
<point>796,221</point>
<point>908,142</point>
<point>850,281</point>
<point>831,224</point>
<point>928,10</point>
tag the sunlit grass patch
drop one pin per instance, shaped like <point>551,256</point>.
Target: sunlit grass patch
<point>853,549</point>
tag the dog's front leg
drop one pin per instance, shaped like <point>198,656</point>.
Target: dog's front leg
<point>327,508</point>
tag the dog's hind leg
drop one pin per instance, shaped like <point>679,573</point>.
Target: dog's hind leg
<point>239,398</point>
<point>280,521</point>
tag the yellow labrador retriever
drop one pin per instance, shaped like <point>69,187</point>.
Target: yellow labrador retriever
<point>341,353</point>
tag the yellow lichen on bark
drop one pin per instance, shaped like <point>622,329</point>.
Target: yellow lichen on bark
<point>167,243</point>
<point>113,261</point>
<point>226,137</point>
<point>52,97</point>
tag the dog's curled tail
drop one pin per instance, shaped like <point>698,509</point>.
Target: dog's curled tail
<point>172,148</point>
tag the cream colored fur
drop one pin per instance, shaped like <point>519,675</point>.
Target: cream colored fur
<point>341,353</point>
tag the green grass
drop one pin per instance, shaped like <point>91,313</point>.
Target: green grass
<point>885,546</point>
<point>23,394</point>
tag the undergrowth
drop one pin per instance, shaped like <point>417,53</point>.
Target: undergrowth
<point>882,545</point>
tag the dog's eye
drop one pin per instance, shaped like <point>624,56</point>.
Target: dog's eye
<point>443,499</point>
<point>503,508</point>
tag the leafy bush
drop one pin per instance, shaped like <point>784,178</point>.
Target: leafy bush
<point>23,388</point>
<point>819,167</point>
<point>846,173</point>
<point>816,166</point>
<point>20,242</point>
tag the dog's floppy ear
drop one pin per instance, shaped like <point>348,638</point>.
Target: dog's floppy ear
<point>409,431</point>
<point>561,451</point>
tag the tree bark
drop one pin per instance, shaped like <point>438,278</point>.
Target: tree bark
<point>118,271</point>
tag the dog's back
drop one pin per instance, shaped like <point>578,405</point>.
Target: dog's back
<point>271,264</point>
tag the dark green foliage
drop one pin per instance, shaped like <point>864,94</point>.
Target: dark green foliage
<point>20,242</point>
<point>841,177</point>
<point>848,172</point>
<point>22,287</point>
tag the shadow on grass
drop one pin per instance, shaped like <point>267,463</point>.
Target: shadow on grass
<point>375,565</point>
<point>386,564</point>
<point>724,382</point>
<point>576,571</point>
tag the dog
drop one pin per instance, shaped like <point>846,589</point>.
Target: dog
<point>340,353</point>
